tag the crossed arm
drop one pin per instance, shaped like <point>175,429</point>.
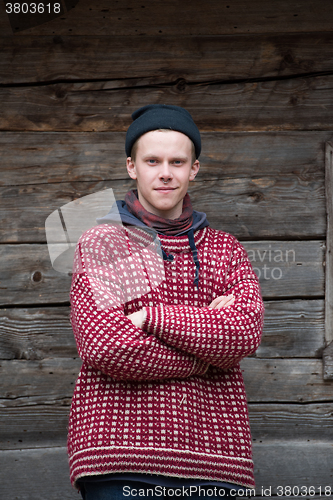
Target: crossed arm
<point>138,318</point>
<point>163,341</point>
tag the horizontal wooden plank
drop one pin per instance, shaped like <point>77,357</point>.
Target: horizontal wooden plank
<point>43,473</point>
<point>213,18</point>
<point>36,475</point>
<point>161,59</point>
<point>66,157</point>
<point>288,104</point>
<point>289,264</point>
<point>285,269</point>
<point>262,207</point>
<point>24,424</point>
<point>294,464</point>
<point>250,207</point>
<point>36,333</point>
<point>285,380</point>
<point>27,277</point>
<point>45,380</point>
<point>267,381</point>
<point>292,328</point>
<point>294,422</point>
<point>28,423</point>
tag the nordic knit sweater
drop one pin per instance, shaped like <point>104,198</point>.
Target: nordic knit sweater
<point>167,399</point>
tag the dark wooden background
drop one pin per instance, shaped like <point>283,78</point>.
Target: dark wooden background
<point>258,79</point>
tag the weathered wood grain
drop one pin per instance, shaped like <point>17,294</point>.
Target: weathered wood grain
<point>45,380</point>
<point>36,333</point>
<point>60,157</point>
<point>190,17</point>
<point>288,104</point>
<point>294,422</point>
<point>27,277</point>
<point>33,425</point>
<point>285,380</point>
<point>293,328</point>
<point>250,207</point>
<point>272,169</point>
<point>285,269</point>
<point>40,474</point>
<point>24,424</point>
<point>162,59</point>
<point>289,463</point>
<point>266,380</point>
<point>286,263</point>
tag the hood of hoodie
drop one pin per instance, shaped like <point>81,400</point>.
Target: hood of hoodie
<point>119,213</point>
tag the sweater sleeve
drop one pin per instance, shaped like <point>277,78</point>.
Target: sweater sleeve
<point>221,337</point>
<point>106,339</point>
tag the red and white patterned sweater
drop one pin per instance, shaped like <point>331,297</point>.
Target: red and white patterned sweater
<point>168,399</point>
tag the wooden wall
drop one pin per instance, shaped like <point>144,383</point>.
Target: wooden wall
<point>257,77</point>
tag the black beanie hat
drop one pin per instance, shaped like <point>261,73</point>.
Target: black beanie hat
<point>155,116</point>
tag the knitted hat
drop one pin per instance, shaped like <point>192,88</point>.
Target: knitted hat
<point>156,116</point>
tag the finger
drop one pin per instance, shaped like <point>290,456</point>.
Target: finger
<point>221,300</point>
<point>216,301</point>
<point>227,303</point>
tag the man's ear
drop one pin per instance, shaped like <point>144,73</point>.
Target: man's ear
<point>194,170</point>
<point>131,168</point>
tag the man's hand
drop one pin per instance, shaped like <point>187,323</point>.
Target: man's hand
<point>222,301</point>
<point>138,318</point>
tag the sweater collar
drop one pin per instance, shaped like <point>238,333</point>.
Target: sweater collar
<point>120,213</point>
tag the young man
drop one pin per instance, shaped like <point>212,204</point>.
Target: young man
<point>160,405</point>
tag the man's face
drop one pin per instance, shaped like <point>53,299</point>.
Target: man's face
<point>163,156</point>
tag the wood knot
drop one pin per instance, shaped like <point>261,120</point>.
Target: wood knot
<point>37,276</point>
<point>181,85</point>
<point>289,58</point>
<point>60,93</point>
<point>256,197</point>
<point>293,100</point>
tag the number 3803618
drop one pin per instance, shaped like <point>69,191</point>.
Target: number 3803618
<point>32,8</point>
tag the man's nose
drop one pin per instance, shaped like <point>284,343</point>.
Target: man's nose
<point>165,170</point>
